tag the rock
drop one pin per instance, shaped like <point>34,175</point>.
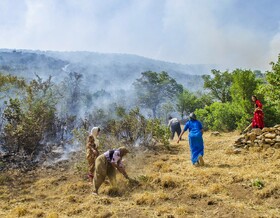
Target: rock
<point>266,146</point>
<point>277,145</point>
<point>215,133</point>
<point>238,145</point>
<point>269,141</point>
<point>270,135</point>
<point>257,131</point>
<point>277,126</point>
<point>236,151</point>
<point>252,136</point>
<point>265,129</point>
<point>268,129</point>
<point>277,139</point>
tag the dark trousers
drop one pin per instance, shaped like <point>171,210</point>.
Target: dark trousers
<point>175,127</point>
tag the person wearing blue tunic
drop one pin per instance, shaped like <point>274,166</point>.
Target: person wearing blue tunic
<point>195,140</point>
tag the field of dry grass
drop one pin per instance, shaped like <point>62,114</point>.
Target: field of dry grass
<point>229,185</point>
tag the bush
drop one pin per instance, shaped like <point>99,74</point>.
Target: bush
<point>134,128</point>
<point>219,116</point>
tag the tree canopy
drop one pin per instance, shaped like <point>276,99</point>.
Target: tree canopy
<point>153,88</point>
<point>219,85</point>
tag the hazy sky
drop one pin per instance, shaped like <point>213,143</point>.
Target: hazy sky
<point>230,33</point>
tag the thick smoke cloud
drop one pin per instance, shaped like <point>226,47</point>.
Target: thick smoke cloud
<point>230,33</point>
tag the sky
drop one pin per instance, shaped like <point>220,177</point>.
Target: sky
<point>229,33</point>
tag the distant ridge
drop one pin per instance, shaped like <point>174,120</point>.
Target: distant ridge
<point>98,68</point>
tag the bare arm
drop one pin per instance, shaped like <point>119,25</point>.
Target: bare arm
<point>120,169</point>
<point>180,136</point>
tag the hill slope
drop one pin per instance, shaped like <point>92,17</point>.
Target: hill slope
<point>105,71</point>
<point>230,185</point>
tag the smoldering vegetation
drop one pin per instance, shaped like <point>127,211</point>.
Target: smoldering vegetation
<point>51,100</point>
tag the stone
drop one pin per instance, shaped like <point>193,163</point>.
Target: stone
<point>252,136</point>
<point>236,151</point>
<point>257,131</point>
<point>269,141</point>
<point>266,146</point>
<point>215,133</point>
<point>277,145</point>
<point>270,135</point>
<point>265,129</point>
<point>277,139</point>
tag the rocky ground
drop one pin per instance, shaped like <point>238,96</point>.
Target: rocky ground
<point>242,184</point>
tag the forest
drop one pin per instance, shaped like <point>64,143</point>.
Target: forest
<point>40,114</point>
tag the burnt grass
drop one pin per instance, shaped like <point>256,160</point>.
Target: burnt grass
<point>229,185</point>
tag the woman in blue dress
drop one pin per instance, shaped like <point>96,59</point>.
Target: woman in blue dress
<point>195,140</point>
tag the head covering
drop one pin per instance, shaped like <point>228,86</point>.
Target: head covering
<point>169,117</point>
<point>95,130</point>
<point>123,150</point>
<point>192,116</point>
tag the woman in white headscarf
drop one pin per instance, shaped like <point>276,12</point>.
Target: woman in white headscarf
<point>92,151</point>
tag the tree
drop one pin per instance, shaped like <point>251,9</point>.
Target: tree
<point>272,88</point>
<point>243,87</point>
<point>219,116</point>
<point>71,91</point>
<point>153,89</point>
<point>30,118</point>
<point>219,85</point>
<point>8,83</point>
<point>271,92</point>
<point>187,102</point>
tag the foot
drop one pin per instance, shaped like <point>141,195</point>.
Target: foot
<point>200,161</point>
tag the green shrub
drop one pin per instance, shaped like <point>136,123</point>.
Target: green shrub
<point>219,116</point>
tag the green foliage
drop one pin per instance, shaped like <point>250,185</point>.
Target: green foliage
<point>165,110</point>
<point>187,102</point>
<point>244,86</point>
<point>27,120</point>
<point>160,133</point>
<point>271,93</point>
<point>219,86</point>
<point>153,88</point>
<point>218,116</point>
<point>9,82</point>
<point>273,79</point>
<point>133,126</point>
<point>257,183</point>
<point>130,127</point>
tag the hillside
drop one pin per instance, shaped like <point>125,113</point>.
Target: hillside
<point>105,71</point>
<point>230,185</point>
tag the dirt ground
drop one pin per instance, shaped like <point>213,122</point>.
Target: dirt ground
<point>229,185</point>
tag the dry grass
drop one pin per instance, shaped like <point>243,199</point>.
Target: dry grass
<point>229,185</point>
